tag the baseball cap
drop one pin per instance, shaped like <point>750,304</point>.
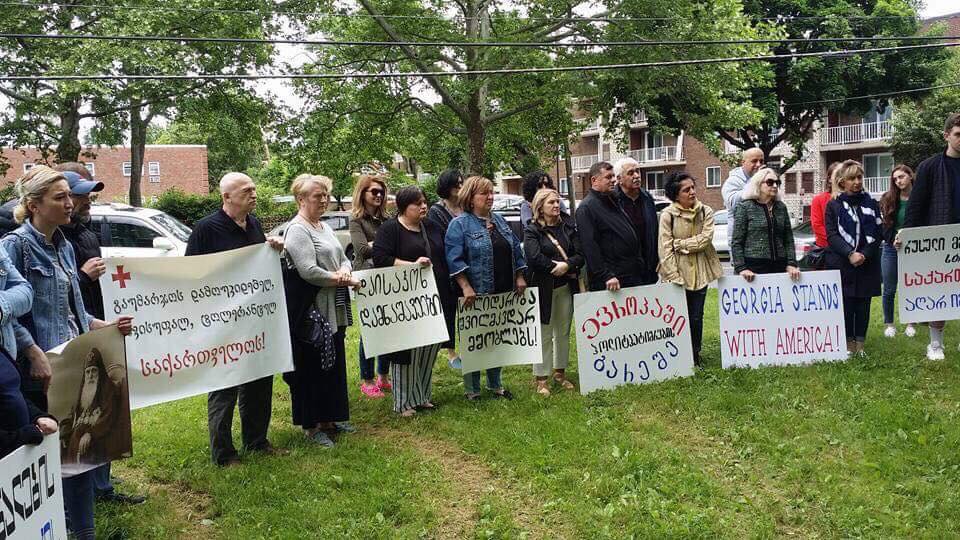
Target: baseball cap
<point>81,186</point>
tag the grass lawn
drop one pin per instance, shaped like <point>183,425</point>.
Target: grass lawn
<point>867,448</point>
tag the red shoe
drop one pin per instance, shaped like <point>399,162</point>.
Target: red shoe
<point>384,385</point>
<point>371,391</point>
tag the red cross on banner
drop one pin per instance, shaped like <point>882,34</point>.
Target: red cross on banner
<point>121,276</point>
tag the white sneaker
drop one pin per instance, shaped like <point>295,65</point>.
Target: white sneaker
<point>935,351</point>
<point>910,331</point>
<point>890,332</point>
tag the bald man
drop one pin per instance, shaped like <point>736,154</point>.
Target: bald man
<point>750,163</point>
<point>233,227</point>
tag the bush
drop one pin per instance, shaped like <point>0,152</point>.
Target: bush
<point>189,208</point>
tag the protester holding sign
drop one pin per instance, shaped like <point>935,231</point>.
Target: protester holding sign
<point>46,259</point>
<point>485,258</point>
<point>893,210</point>
<point>442,213</point>
<point>854,232</point>
<point>366,216</point>
<point>408,239</point>
<point>318,384</point>
<point>935,200</point>
<point>687,256</point>
<point>552,249</point>
<point>762,241</point>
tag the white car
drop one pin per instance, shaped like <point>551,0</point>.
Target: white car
<point>129,231</point>
<point>720,241</point>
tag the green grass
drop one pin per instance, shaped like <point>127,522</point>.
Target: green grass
<point>866,448</point>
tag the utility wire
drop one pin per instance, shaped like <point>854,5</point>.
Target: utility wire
<point>572,18</point>
<point>338,43</point>
<point>512,71</point>
<point>874,96</point>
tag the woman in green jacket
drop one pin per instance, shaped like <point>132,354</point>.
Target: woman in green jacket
<point>762,240</point>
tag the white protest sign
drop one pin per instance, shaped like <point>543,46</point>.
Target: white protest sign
<point>399,309</point>
<point>928,274</point>
<point>632,336</point>
<point>500,330</point>
<point>775,321</point>
<point>31,493</point>
<point>201,323</point>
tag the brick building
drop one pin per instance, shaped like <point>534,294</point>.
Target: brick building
<point>164,167</point>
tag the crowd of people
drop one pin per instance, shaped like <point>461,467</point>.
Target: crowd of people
<point>614,239</point>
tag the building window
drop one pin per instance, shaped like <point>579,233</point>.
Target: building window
<point>564,186</point>
<point>806,181</point>
<point>790,183</point>
<point>654,140</point>
<point>654,180</point>
<point>713,176</point>
<point>877,165</point>
<point>90,168</point>
<point>154,179</point>
<point>153,168</point>
<point>127,168</point>
<point>28,166</point>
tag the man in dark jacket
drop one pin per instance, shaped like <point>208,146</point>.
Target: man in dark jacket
<point>609,241</point>
<point>935,200</point>
<point>90,266</point>
<point>637,204</point>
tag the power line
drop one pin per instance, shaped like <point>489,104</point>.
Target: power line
<point>874,96</point>
<point>571,18</point>
<point>337,43</point>
<point>513,71</point>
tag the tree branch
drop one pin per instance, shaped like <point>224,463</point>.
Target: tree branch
<point>487,120</point>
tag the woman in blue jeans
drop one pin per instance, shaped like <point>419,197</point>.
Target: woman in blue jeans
<point>893,208</point>
<point>484,256</point>
<point>43,256</point>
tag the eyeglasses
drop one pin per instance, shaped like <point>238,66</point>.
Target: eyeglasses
<point>376,192</point>
<point>772,182</point>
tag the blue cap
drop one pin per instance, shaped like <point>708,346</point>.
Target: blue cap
<point>80,185</point>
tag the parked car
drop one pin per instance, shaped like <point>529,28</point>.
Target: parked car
<point>504,203</point>
<point>720,241</point>
<point>130,231</point>
<point>803,241</point>
<point>339,221</point>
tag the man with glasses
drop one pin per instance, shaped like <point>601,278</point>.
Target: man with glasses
<point>638,205</point>
<point>90,266</point>
<point>750,163</point>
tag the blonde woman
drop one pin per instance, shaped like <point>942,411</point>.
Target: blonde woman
<point>762,241</point>
<point>318,384</point>
<point>687,256</point>
<point>366,216</point>
<point>551,247</point>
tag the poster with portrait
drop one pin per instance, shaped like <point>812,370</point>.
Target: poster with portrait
<point>89,394</point>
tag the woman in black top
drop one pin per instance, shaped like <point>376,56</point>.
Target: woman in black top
<point>410,238</point>
<point>441,214</point>
<point>552,249</point>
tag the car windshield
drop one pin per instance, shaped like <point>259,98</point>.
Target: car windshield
<point>506,203</point>
<point>172,224</point>
<point>720,218</point>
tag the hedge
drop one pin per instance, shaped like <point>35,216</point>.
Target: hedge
<point>189,207</point>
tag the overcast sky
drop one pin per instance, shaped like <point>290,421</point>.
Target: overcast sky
<point>935,8</point>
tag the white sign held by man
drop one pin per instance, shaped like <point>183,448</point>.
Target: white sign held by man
<point>632,336</point>
<point>928,274</point>
<point>200,323</point>
<point>31,493</point>
<point>500,330</point>
<point>399,309</point>
<point>775,321</point>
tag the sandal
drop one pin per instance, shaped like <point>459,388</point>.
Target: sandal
<point>564,383</point>
<point>407,413</point>
<point>542,388</point>
<point>428,406</point>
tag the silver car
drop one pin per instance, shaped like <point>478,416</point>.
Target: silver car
<point>720,241</point>
<point>339,221</point>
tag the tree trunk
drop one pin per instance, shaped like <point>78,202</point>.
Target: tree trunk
<point>138,143</point>
<point>476,149</point>
<point>571,187</point>
<point>68,147</point>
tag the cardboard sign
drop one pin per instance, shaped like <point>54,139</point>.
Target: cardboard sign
<point>632,336</point>
<point>201,323</point>
<point>500,330</point>
<point>928,274</point>
<point>31,493</point>
<point>774,321</point>
<point>399,309</point>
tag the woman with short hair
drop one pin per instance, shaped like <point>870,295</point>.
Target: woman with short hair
<point>484,257</point>
<point>687,255</point>
<point>442,213</point>
<point>366,216</point>
<point>410,239</point>
<point>318,383</point>
<point>762,240</point>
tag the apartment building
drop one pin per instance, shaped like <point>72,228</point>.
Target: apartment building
<point>164,167</point>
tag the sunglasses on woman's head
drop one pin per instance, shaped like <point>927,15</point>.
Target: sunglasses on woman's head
<point>772,182</point>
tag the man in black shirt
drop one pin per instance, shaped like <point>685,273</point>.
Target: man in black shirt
<point>232,227</point>
<point>935,200</point>
<point>610,243</point>
<point>637,204</point>
<point>90,266</point>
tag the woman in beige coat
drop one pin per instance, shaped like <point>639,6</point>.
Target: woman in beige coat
<point>687,256</point>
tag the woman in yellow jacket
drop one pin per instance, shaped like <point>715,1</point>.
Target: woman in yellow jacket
<point>687,256</point>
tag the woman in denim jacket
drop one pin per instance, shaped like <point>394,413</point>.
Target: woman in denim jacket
<point>42,255</point>
<point>484,257</point>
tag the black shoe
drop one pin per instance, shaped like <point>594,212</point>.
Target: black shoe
<point>503,394</point>
<point>120,498</point>
<point>344,427</point>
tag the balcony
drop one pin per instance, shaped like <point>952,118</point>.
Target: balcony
<point>655,154</point>
<point>856,133</point>
<point>876,184</point>
<point>587,126</point>
<point>582,163</point>
<point>639,119</point>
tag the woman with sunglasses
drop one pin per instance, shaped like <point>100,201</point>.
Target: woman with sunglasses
<point>762,240</point>
<point>366,216</point>
<point>854,232</point>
